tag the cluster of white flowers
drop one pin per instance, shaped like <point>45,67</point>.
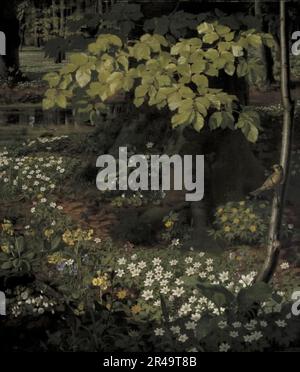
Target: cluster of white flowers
<point>31,175</point>
<point>44,140</point>
<point>175,281</point>
<point>26,303</point>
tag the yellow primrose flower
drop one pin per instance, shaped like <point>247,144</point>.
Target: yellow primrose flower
<point>48,233</point>
<point>169,224</point>
<point>7,227</point>
<point>253,228</point>
<point>236,221</point>
<point>68,238</point>
<point>55,258</point>
<point>100,281</point>
<point>247,211</point>
<point>90,234</point>
<point>227,229</point>
<point>234,210</point>
<point>220,210</point>
<point>95,282</point>
<point>224,218</point>
<point>5,248</point>
<point>136,309</point>
<point>242,203</point>
<point>252,215</point>
<point>122,294</point>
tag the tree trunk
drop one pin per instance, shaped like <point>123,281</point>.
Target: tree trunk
<point>265,53</point>
<point>54,18</point>
<point>62,18</point>
<point>274,237</point>
<point>10,26</point>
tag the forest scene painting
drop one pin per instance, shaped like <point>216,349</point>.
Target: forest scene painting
<point>149,176</point>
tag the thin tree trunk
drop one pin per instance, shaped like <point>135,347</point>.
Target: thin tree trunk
<point>54,18</point>
<point>264,52</point>
<point>62,18</point>
<point>274,237</point>
<point>34,17</point>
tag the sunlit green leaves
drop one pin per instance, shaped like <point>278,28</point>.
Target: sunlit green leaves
<point>222,119</point>
<point>79,59</point>
<point>53,79</point>
<point>242,68</point>
<point>237,50</point>
<point>83,76</point>
<point>205,28</point>
<point>177,76</point>
<point>249,123</point>
<point>200,80</point>
<point>255,40</point>
<point>182,118</point>
<point>198,123</point>
<point>211,38</point>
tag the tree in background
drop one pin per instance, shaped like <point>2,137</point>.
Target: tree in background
<point>10,26</point>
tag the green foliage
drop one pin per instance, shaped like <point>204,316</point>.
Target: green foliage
<point>241,222</point>
<point>165,75</point>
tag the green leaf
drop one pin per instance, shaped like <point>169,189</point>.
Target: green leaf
<point>79,59</point>
<point>257,293</point>
<point>20,244</point>
<point>48,104</point>
<point>211,38</point>
<point>182,118</point>
<point>230,69</point>
<point>224,46</point>
<point>141,91</point>
<point>123,60</point>
<point>215,120</point>
<point>249,123</point>
<point>212,54</point>
<point>83,76</point>
<point>174,101</point>
<point>94,89</point>
<point>53,79</point>
<point>186,92</point>
<point>200,80</point>
<point>142,51</point>
<point>205,27</point>
<point>6,265</point>
<point>229,37</point>
<point>237,50</point>
<point>253,134</point>
<point>201,107</point>
<point>114,40</point>
<point>217,293</point>
<point>222,30</point>
<point>255,40</point>
<point>61,101</point>
<point>186,105</point>
<point>268,40</point>
<point>55,243</point>
<point>68,69</point>
<point>198,122</point>
<point>242,68</point>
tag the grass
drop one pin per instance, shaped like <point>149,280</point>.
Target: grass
<point>34,64</point>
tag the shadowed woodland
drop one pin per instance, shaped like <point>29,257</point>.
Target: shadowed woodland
<point>90,270</point>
